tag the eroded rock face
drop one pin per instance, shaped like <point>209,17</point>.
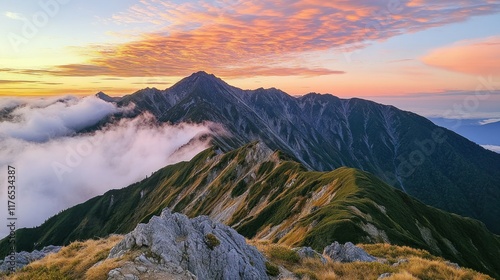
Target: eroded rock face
<point>206,249</point>
<point>347,253</point>
<point>145,268</point>
<point>24,258</point>
<point>309,253</point>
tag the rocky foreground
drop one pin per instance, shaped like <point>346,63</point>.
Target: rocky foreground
<point>191,247</point>
<point>173,246</point>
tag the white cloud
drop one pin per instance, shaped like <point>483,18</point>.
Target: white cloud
<point>60,172</point>
<point>488,121</point>
<point>493,148</point>
<point>15,16</point>
<point>41,119</point>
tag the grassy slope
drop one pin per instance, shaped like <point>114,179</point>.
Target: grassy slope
<point>263,195</point>
<point>79,261</point>
<point>419,264</point>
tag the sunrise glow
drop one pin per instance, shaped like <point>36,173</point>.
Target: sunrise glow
<point>347,48</point>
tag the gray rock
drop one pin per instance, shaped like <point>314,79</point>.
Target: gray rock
<point>206,249</point>
<point>347,253</point>
<point>24,258</point>
<point>145,268</point>
<point>384,275</point>
<point>115,273</point>
<point>130,277</point>
<point>308,252</point>
<point>399,262</point>
<point>451,264</point>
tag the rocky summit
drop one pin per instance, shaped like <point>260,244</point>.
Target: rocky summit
<point>200,246</point>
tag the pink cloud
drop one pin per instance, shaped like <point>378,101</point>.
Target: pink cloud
<point>228,37</point>
<point>478,57</point>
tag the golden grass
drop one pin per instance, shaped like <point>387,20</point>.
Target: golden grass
<point>420,265</point>
<point>75,261</point>
<point>392,252</point>
<point>432,269</point>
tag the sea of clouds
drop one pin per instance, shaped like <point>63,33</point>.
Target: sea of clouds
<point>57,167</point>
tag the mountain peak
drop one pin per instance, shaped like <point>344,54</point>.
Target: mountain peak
<point>201,83</point>
<point>202,74</point>
<point>106,97</point>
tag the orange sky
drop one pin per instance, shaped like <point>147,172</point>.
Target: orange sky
<point>348,48</point>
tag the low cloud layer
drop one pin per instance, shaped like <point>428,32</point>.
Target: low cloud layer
<point>65,169</point>
<point>41,119</point>
<point>493,148</point>
<point>488,121</point>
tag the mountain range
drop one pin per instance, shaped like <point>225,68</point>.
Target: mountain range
<point>481,131</point>
<point>323,132</point>
<point>266,195</point>
<point>303,171</point>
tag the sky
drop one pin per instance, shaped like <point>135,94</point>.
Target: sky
<point>410,53</point>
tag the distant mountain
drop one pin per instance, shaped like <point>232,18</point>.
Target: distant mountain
<point>324,132</point>
<point>106,97</point>
<point>265,195</point>
<point>477,130</point>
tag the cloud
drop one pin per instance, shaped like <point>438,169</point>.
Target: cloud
<point>493,148</point>
<point>67,170</point>
<point>7,82</point>
<point>15,82</point>
<point>15,16</point>
<point>476,57</point>
<point>479,104</point>
<point>228,36</point>
<point>39,120</point>
<point>488,121</point>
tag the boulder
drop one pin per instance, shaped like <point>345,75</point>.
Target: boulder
<point>308,252</point>
<point>384,275</point>
<point>347,253</point>
<point>24,258</point>
<point>200,246</point>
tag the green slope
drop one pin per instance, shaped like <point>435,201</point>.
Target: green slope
<point>324,132</point>
<point>265,195</point>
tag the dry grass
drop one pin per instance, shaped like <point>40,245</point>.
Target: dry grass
<point>392,253</point>
<point>421,265</point>
<point>432,269</point>
<point>75,261</point>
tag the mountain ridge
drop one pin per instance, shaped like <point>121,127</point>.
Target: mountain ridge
<point>264,195</point>
<point>324,132</point>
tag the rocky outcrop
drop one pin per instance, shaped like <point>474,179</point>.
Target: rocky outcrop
<point>384,276</point>
<point>347,253</point>
<point>205,249</point>
<point>309,253</point>
<point>23,258</point>
<point>149,268</point>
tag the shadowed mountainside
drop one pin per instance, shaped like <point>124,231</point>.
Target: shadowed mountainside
<point>324,132</point>
<point>265,195</point>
